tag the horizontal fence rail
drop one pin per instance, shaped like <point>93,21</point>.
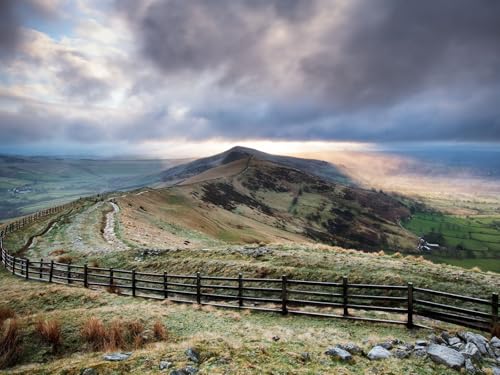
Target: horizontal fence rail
<point>282,295</point>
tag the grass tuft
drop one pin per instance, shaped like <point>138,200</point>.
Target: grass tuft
<point>159,331</point>
<point>6,313</point>
<point>50,332</point>
<point>9,343</point>
<point>94,333</point>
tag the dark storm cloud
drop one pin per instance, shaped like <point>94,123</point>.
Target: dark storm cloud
<point>374,58</point>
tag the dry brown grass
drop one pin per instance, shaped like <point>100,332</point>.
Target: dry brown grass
<point>6,313</point>
<point>94,333</point>
<point>159,331</point>
<point>9,343</point>
<point>114,336</point>
<point>66,259</point>
<point>50,332</point>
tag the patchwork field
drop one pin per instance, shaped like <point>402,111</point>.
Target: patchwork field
<point>467,241</point>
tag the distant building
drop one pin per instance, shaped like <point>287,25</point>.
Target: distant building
<point>423,245</point>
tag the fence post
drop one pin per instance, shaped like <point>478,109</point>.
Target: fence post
<point>69,273</point>
<point>198,288</point>
<point>14,265</point>
<point>165,285</point>
<point>344,295</point>
<point>27,268</point>
<point>85,276</point>
<point>409,322</point>
<point>240,290</point>
<point>494,312</point>
<point>133,283</point>
<point>284,309</point>
<point>111,278</point>
<point>51,272</point>
<point>41,268</point>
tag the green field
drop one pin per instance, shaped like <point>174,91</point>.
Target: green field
<point>471,241</point>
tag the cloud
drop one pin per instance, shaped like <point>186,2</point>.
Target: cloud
<point>141,71</point>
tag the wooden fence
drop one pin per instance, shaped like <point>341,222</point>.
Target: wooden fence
<point>283,295</point>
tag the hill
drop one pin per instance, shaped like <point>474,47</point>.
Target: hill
<point>319,168</point>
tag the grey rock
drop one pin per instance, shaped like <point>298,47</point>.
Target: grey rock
<point>471,351</point>
<point>421,343</point>
<point>446,336</point>
<point>89,371</point>
<point>481,342</point>
<point>191,370</point>
<point>470,368</point>
<point>398,353</point>
<point>496,370</point>
<point>116,357</point>
<point>495,342</point>
<point>193,355</point>
<point>446,356</point>
<point>378,352</point>
<point>351,348</point>
<point>339,354</point>
<point>420,352</point>
<point>454,341</point>
<point>436,339</point>
<point>386,345</point>
<point>164,365</point>
<point>406,347</point>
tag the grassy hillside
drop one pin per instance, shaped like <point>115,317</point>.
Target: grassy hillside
<point>228,341</point>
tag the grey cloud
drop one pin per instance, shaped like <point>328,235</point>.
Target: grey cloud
<point>383,56</point>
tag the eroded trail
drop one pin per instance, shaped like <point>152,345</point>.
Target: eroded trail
<point>109,229</point>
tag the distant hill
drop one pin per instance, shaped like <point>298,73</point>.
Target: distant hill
<point>318,168</point>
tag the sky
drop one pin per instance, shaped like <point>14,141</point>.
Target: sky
<point>186,78</point>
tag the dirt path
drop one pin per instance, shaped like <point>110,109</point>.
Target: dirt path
<point>109,230</point>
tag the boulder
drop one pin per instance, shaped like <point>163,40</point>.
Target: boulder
<point>470,368</point>
<point>339,354</point>
<point>446,356</point>
<point>454,341</point>
<point>193,355</point>
<point>351,348</point>
<point>496,370</point>
<point>378,352</point>
<point>471,351</point>
<point>495,342</point>
<point>480,341</point>
<point>116,357</point>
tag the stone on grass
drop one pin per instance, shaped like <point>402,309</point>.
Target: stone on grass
<point>446,356</point>
<point>193,355</point>
<point>386,345</point>
<point>470,368</point>
<point>351,348</point>
<point>116,357</point>
<point>378,352</point>
<point>89,371</point>
<point>164,365</point>
<point>401,353</point>
<point>339,354</point>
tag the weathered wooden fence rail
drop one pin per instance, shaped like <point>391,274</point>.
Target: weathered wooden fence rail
<point>283,295</point>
